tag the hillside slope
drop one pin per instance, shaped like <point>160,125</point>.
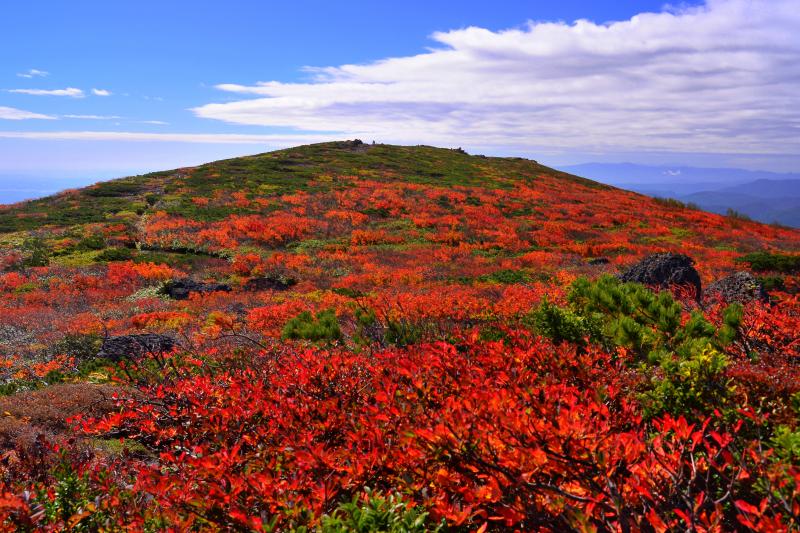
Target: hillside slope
<point>340,334</point>
<point>543,209</point>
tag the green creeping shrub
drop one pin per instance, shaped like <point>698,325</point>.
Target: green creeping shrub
<point>506,277</point>
<point>685,362</point>
<point>372,329</point>
<point>322,328</point>
<point>733,213</point>
<point>80,346</point>
<point>786,441</point>
<point>492,333</point>
<point>375,512</point>
<point>563,325</point>
<point>115,254</point>
<point>35,252</point>
<point>72,500</point>
<point>764,261</point>
<point>669,202</point>
<point>772,283</point>
<point>348,293</point>
<point>92,242</point>
<point>473,201</point>
<point>687,384</point>
<point>402,332</point>
<point>786,444</point>
<point>648,323</point>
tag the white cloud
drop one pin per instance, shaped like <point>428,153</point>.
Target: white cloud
<point>10,113</point>
<point>33,73</point>
<point>723,77</point>
<point>101,92</point>
<point>276,140</point>
<point>69,91</point>
<point>155,122</point>
<point>92,117</point>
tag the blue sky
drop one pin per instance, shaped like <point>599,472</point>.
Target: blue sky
<point>92,89</point>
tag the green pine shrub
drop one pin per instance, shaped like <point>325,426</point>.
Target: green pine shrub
<point>562,325</point>
<point>767,262</point>
<point>376,512</point>
<point>685,361</point>
<point>324,327</point>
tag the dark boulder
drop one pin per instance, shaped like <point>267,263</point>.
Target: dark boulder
<point>179,289</point>
<point>135,346</point>
<point>270,283</point>
<point>741,287</point>
<point>598,261</point>
<point>665,270</point>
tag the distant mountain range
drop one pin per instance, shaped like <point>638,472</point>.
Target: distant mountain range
<point>763,196</point>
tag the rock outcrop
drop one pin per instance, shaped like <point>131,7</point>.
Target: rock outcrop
<point>741,287</point>
<point>665,270</point>
<point>135,346</point>
<point>179,289</point>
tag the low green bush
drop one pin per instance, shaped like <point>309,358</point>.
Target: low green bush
<point>562,325</point>
<point>115,254</point>
<point>765,261</point>
<point>506,277</point>
<point>683,359</point>
<point>375,512</point>
<point>324,327</point>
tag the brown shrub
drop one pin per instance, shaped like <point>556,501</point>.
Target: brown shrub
<point>27,415</point>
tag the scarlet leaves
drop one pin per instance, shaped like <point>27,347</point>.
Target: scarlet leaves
<point>434,389</point>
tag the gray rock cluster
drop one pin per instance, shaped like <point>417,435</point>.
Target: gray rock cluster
<point>664,270</point>
<point>135,346</point>
<point>741,287</point>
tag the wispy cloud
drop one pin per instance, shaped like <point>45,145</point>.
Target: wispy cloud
<point>271,140</point>
<point>33,73</point>
<point>155,122</point>
<point>101,92</point>
<point>723,77</point>
<point>69,91</point>
<point>10,113</point>
<point>93,117</point>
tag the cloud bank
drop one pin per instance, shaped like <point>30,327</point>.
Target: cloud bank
<point>723,78</point>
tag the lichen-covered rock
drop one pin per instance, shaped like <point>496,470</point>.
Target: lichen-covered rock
<point>179,289</point>
<point>665,270</point>
<point>741,287</point>
<point>135,346</point>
